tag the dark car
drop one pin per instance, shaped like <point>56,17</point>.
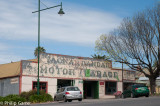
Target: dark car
<point>135,91</point>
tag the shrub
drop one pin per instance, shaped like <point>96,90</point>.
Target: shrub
<point>27,95</point>
<point>8,98</point>
<point>18,99</point>
<point>36,98</point>
<point>41,92</point>
<point>12,98</point>
<point>32,92</point>
<point>32,96</point>
<point>40,98</point>
<point>1,98</point>
<point>157,94</point>
<point>48,97</point>
<point>24,95</point>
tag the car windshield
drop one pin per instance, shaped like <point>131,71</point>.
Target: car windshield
<point>73,89</point>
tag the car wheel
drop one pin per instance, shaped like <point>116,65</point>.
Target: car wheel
<point>79,99</point>
<point>69,100</point>
<point>64,99</point>
<point>147,96</point>
<point>132,95</point>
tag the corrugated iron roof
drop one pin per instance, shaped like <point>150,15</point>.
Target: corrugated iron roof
<point>11,69</point>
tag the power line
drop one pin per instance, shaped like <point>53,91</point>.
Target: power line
<point>44,4</point>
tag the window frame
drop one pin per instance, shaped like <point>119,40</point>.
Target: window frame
<point>107,88</point>
<point>39,84</point>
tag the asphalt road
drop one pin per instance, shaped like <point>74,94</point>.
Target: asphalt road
<point>141,101</point>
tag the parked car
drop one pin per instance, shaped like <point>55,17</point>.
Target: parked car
<point>136,91</point>
<point>68,93</point>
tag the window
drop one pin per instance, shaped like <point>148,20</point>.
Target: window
<point>73,89</point>
<point>110,88</point>
<point>62,89</point>
<point>59,90</point>
<point>42,86</point>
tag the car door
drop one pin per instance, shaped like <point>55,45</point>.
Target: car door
<point>58,94</point>
<point>61,93</point>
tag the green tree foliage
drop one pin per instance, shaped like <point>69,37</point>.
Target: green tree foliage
<point>97,56</point>
<point>41,50</point>
<point>137,39</point>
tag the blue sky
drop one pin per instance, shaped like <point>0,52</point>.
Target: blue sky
<point>71,34</point>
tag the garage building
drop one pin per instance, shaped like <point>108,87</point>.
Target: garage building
<point>95,78</point>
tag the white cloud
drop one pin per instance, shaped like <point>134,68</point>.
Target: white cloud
<point>7,57</point>
<point>3,46</point>
<point>79,25</point>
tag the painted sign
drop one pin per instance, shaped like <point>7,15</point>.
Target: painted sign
<point>70,67</point>
<point>101,83</point>
<point>87,73</point>
<point>129,75</point>
<point>14,80</point>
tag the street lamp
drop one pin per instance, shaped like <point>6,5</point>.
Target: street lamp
<point>60,13</point>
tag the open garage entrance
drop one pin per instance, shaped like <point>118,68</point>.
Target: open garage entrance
<point>91,89</point>
<point>64,82</point>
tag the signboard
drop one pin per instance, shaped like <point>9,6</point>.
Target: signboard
<point>71,67</point>
<point>87,73</point>
<point>129,75</point>
<point>101,83</point>
<point>14,80</point>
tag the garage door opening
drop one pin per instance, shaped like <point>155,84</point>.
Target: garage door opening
<point>110,88</point>
<point>63,83</point>
<point>91,90</point>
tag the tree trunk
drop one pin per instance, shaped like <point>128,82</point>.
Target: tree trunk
<point>152,85</point>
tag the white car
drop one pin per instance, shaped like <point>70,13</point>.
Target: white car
<point>68,93</point>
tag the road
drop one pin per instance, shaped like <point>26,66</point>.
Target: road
<point>141,101</point>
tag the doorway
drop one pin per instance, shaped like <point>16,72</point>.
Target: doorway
<point>91,89</point>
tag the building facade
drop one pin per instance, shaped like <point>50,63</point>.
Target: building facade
<point>95,78</point>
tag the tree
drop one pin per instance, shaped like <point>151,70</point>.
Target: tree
<point>136,43</point>
<point>41,50</point>
<point>100,57</point>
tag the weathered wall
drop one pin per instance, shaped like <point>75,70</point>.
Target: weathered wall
<point>27,84</point>
<point>71,67</point>
<point>9,86</point>
<point>119,86</point>
<point>129,75</point>
<point>79,84</point>
<point>102,89</point>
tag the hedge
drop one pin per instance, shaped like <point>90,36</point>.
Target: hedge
<point>30,96</point>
